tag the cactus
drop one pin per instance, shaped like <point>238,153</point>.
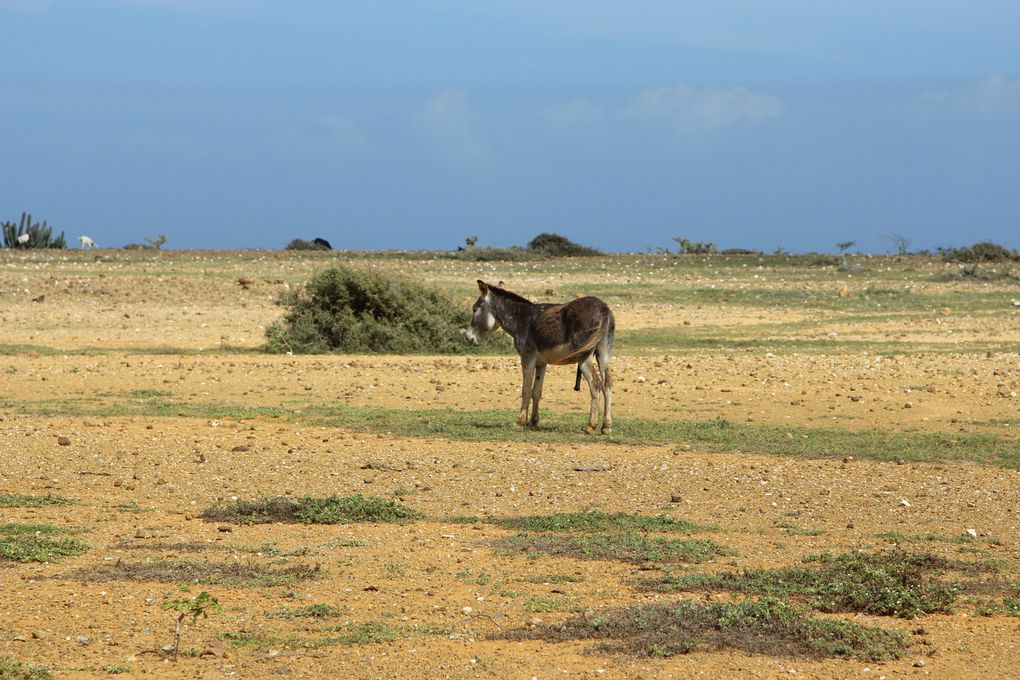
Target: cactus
<point>39,235</point>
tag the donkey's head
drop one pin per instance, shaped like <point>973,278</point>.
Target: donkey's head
<point>483,320</point>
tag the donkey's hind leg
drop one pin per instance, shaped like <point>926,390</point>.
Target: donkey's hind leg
<point>591,376</point>
<point>604,355</point>
<point>536,395</point>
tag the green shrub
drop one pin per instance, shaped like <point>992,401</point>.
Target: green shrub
<point>985,251</point>
<point>342,309</point>
<point>554,245</point>
<point>301,244</point>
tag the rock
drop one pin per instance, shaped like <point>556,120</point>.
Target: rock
<point>39,634</point>
<point>83,639</point>
<point>904,502</point>
<point>918,664</point>
<point>142,533</point>
<point>676,498</point>
<point>239,449</point>
<point>214,649</point>
<point>64,441</point>
<point>972,533</point>
<point>224,528</point>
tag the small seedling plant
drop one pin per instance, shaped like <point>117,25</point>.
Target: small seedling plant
<point>200,605</point>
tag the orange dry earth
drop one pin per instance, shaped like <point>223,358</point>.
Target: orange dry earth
<point>425,574</point>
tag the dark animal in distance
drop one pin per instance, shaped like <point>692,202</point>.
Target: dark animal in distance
<point>580,331</point>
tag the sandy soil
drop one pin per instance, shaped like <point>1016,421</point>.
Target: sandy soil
<point>141,482</point>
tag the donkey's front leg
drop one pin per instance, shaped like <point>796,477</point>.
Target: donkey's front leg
<point>528,369</point>
<point>536,395</point>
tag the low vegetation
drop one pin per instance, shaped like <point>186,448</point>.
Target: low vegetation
<point>13,669</point>
<point>629,546</point>
<point>37,543</point>
<point>17,500</point>
<point>594,521</point>
<point>312,510</point>
<point>26,234</point>
<point>554,245</point>
<point>759,627</point>
<point>235,574</point>
<point>892,583</point>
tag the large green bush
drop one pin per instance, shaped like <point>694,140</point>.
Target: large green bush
<point>554,245</point>
<point>348,310</point>
<point>985,251</point>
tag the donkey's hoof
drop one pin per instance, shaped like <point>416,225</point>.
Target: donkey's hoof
<point>521,422</point>
<point>607,430</point>
<point>590,429</point>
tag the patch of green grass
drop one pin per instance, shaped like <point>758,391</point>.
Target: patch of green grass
<point>364,633</point>
<point>542,604</point>
<point>712,435</point>
<point>707,436</point>
<point>551,579</point>
<point>312,510</point>
<point>622,546</point>
<point>312,611</point>
<point>758,627</point>
<point>35,543</point>
<point>594,521</point>
<point>887,583</point>
<point>236,574</point>
<point>13,669</point>
<point>131,506</point>
<point>146,394</point>
<point>18,500</point>
<point>898,537</point>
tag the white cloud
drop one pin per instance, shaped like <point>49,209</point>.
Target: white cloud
<point>448,125</point>
<point>991,95</point>
<point>574,112</point>
<point>690,108</point>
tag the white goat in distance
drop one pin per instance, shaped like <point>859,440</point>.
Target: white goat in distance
<point>86,242</point>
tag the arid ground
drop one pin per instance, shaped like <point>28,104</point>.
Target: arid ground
<point>785,407</point>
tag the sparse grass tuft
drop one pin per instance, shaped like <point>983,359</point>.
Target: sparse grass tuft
<point>312,611</point>
<point>18,500</point>
<point>312,510</point>
<point>890,583</point>
<point>594,521</point>
<point>759,627</point>
<point>236,574</point>
<point>622,546</point>
<point>35,543</point>
<point>13,669</point>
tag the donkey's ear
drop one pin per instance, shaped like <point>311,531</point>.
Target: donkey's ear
<point>500,285</point>
<point>482,286</point>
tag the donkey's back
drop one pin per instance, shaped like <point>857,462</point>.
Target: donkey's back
<point>567,333</point>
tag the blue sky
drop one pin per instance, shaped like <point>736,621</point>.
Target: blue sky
<point>376,124</point>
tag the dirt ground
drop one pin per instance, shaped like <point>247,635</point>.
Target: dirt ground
<point>187,326</point>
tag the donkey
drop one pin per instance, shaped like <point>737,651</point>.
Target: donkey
<point>551,334</point>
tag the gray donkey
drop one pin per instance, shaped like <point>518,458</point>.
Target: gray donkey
<point>551,334</point>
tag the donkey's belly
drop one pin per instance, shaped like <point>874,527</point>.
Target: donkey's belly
<point>560,354</point>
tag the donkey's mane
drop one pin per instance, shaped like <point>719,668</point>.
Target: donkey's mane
<point>511,295</point>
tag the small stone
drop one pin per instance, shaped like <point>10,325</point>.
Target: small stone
<point>239,449</point>
<point>849,525</point>
<point>909,404</point>
<point>904,502</point>
<point>39,634</point>
<point>142,533</point>
<point>918,664</point>
<point>224,528</point>
<point>972,533</point>
<point>19,638</point>
<point>640,379</point>
<point>214,649</point>
<point>64,441</point>
<point>83,639</point>
<point>676,498</point>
